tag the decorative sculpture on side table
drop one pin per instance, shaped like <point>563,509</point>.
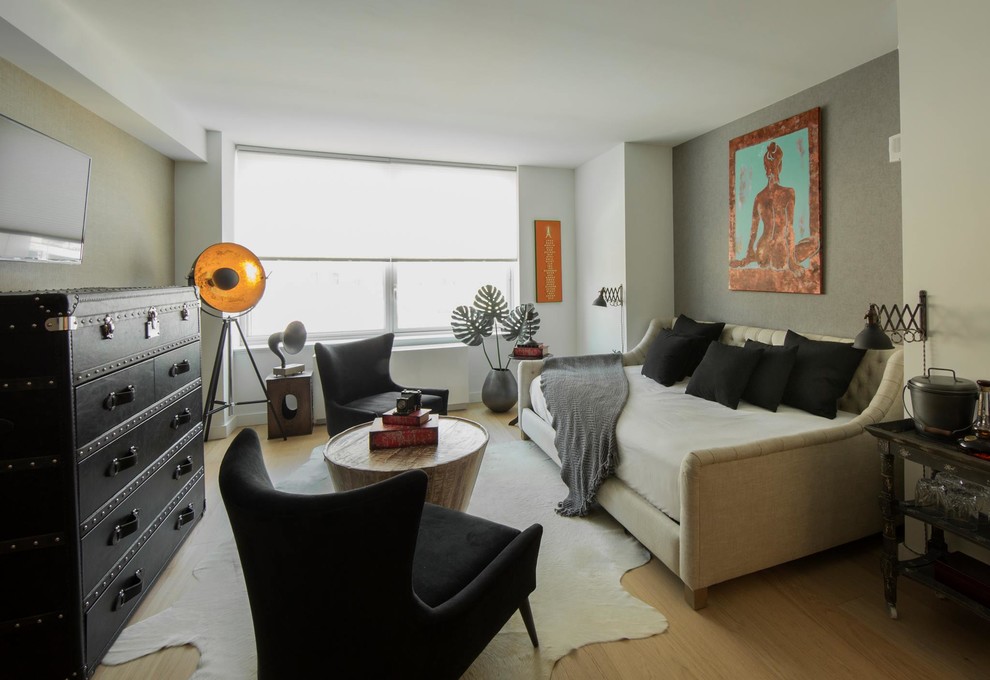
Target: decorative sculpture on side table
<point>292,340</point>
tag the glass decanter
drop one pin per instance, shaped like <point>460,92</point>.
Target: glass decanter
<point>982,424</point>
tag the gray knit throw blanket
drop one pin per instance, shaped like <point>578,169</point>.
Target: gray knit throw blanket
<point>585,395</point>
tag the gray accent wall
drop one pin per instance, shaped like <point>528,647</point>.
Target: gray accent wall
<point>861,210</point>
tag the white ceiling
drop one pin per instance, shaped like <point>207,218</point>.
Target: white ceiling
<point>517,82</point>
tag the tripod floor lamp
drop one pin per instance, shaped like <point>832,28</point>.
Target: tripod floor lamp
<point>231,281</point>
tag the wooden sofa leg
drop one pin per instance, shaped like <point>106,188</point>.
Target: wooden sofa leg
<point>696,599</point>
<point>527,616</point>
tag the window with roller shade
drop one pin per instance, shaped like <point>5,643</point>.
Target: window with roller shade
<point>354,245</point>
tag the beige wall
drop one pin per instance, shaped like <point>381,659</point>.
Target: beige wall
<point>945,180</point>
<point>129,227</point>
<point>945,53</point>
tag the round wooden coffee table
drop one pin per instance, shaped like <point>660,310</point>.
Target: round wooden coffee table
<point>452,464</point>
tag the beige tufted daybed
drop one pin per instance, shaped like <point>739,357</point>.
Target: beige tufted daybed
<point>762,502</point>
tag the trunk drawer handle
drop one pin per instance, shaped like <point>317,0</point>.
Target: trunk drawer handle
<point>179,368</point>
<point>123,462</point>
<point>184,468</point>
<point>180,419</point>
<point>125,528</point>
<point>186,516</point>
<point>128,593</point>
<point>116,398</point>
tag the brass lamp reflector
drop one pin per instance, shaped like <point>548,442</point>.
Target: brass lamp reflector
<point>230,278</point>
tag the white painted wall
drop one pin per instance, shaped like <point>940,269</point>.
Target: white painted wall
<point>649,239</point>
<point>198,205</point>
<point>544,194</point>
<point>600,257</point>
<point>203,216</point>
<point>945,175</point>
<point>548,194</point>
<point>625,233</point>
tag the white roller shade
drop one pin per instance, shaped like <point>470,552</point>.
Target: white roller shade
<point>315,206</point>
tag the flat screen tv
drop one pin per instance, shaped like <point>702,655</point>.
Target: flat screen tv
<point>44,186</point>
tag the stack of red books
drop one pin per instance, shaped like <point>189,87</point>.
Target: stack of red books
<point>394,430</point>
<point>530,351</point>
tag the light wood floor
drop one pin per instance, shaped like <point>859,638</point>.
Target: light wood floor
<point>819,617</point>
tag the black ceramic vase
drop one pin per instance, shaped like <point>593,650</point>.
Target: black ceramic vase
<point>499,392</point>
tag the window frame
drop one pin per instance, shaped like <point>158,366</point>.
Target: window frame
<point>403,337</point>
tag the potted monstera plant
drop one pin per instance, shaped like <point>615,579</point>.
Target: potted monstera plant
<point>490,315</point>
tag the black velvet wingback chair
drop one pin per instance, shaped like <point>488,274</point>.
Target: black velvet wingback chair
<point>357,384</point>
<point>370,583</point>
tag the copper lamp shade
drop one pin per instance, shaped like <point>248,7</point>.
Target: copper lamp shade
<point>230,278</point>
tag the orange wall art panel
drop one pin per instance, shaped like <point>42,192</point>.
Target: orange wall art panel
<point>549,286</point>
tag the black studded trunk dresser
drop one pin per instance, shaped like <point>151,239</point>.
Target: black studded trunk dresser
<point>101,465</point>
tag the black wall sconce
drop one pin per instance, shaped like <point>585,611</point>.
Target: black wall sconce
<point>904,324</point>
<point>609,297</point>
<point>612,297</point>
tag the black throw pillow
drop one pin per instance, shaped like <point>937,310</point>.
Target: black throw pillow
<point>710,332</point>
<point>821,374</point>
<point>724,372</point>
<point>670,356</point>
<point>769,380</point>
<point>685,325</point>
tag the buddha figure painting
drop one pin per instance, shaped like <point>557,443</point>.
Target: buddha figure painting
<point>775,207</point>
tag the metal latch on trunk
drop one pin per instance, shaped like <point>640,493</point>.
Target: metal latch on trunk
<point>61,323</point>
<point>151,327</point>
<point>107,328</point>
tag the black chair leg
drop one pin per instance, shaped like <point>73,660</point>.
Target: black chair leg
<point>527,616</point>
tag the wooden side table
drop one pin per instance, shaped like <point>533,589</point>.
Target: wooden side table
<point>452,465</point>
<point>899,438</point>
<point>293,420</point>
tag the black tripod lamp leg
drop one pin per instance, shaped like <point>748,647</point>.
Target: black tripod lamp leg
<point>264,390</point>
<point>211,395</point>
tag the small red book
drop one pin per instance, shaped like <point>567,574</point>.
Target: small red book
<point>528,352</point>
<point>382,436</point>
<point>419,417</point>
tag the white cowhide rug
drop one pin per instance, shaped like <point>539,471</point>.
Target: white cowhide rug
<point>578,598</point>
